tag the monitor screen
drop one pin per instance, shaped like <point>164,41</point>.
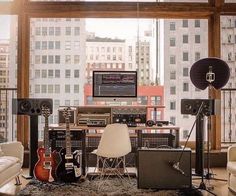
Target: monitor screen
<point>115,84</point>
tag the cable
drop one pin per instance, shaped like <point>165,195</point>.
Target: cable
<point>198,113</point>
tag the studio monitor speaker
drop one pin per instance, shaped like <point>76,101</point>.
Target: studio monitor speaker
<point>31,106</point>
<point>158,168</point>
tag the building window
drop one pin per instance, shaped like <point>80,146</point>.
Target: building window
<point>44,31</point>
<point>44,73</point>
<point>172,105</point>
<point>197,56</point>
<point>57,59</point>
<point>44,59</point>
<point>51,31</point>
<point>50,73</point>
<point>44,45</point>
<point>67,102</point>
<point>172,120</point>
<point>38,31</point>
<point>57,88</point>
<point>77,31</point>
<point>76,102</point>
<point>172,90</point>
<point>185,56</point>
<point>37,45</point>
<point>172,59</point>
<point>155,100</point>
<point>197,23</point>
<point>57,31</point>
<point>172,41</point>
<point>37,59</point>
<point>50,88</point>
<point>185,23</point>
<point>185,87</point>
<point>50,45</point>
<point>76,88</point>
<point>37,88</point>
<point>142,100</point>
<point>185,39</point>
<point>44,88</point>
<point>50,59</point>
<point>76,73</point>
<point>68,30</point>
<point>57,73</point>
<point>197,39</point>
<point>57,45</point>
<point>56,103</point>
<point>185,71</point>
<point>172,26</point>
<point>37,73</point>
<point>67,88</point>
<point>67,73</point>
<point>172,75</point>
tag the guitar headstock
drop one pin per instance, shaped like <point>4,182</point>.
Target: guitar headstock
<point>46,111</point>
<point>67,114</point>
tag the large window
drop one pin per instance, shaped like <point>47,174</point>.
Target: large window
<point>8,76</point>
<point>60,44</point>
<point>228,53</point>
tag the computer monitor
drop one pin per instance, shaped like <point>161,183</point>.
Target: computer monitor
<point>114,85</point>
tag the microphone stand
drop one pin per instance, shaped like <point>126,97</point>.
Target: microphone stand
<point>210,77</point>
<point>199,117</point>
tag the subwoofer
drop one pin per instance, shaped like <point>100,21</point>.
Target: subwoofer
<point>159,168</point>
<point>30,106</point>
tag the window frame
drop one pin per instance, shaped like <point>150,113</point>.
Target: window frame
<point>26,10</point>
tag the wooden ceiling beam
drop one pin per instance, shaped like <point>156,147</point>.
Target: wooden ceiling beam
<point>119,9</point>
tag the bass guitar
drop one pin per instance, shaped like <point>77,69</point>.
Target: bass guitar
<point>44,169</point>
<point>69,168</point>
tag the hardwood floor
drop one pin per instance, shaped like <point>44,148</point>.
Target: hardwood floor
<point>218,187</point>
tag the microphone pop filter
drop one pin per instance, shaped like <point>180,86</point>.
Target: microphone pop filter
<point>200,69</point>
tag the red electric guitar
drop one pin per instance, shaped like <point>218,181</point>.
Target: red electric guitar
<point>44,169</point>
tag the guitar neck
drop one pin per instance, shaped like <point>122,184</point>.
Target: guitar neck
<point>68,138</point>
<point>46,138</point>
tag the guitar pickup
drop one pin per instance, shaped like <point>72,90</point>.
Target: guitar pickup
<point>68,156</point>
<point>69,165</point>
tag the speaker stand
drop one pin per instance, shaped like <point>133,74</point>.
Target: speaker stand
<point>33,156</point>
<point>199,164</point>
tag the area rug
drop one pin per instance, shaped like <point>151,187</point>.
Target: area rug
<point>111,187</point>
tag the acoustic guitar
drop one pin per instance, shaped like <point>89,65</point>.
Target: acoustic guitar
<point>44,169</point>
<point>69,168</point>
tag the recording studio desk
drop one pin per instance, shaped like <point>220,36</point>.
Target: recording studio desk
<point>135,132</point>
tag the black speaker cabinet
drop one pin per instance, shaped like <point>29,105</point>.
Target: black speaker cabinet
<point>158,169</point>
<point>30,106</point>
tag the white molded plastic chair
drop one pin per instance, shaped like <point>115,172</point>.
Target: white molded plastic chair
<point>231,168</point>
<point>113,146</point>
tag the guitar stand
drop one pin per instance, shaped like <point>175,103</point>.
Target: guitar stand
<point>26,176</point>
<point>33,146</point>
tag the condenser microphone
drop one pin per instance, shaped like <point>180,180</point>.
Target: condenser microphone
<point>210,76</point>
<point>175,166</point>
